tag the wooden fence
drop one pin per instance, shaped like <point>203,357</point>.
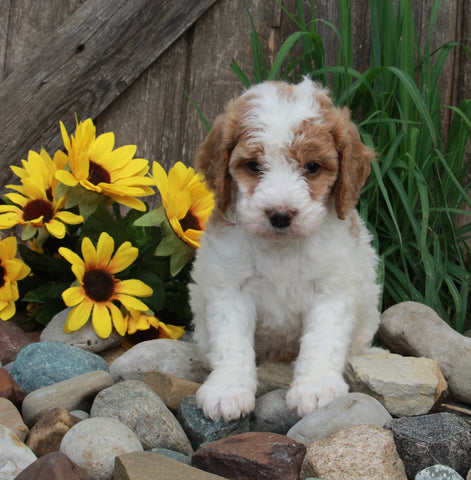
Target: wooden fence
<point>127,63</point>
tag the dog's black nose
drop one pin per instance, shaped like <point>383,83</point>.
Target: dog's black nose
<point>280,219</point>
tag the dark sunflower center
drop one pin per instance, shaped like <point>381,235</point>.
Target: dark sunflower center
<point>2,276</point>
<point>37,208</point>
<point>97,174</point>
<point>190,221</point>
<point>98,285</point>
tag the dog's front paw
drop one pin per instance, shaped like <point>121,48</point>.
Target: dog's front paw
<point>307,394</point>
<point>225,399</point>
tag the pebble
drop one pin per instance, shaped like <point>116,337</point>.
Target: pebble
<point>12,340</point>
<point>201,430</point>
<point>94,443</point>
<point>438,472</point>
<point>460,381</point>
<point>136,405</point>
<point>10,417</point>
<point>9,389</point>
<point>72,394</point>
<point>172,390</point>
<point>413,329</point>
<point>273,375</point>
<point>271,413</point>
<point>260,455</point>
<point>15,456</point>
<point>164,355</point>
<point>85,338</point>
<point>344,412</point>
<point>46,435</point>
<point>406,386</point>
<point>54,466</point>
<point>365,451</point>
<point>426,440</point>
<point>152,466</point>
<point>44,363</point>
<point>180,457</point>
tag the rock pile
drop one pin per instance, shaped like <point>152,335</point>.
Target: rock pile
<point>69,414</point>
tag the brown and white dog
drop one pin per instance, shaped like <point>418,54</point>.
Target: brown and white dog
<point>285,269</point>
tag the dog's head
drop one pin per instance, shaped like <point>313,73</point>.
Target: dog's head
<point>279,155</point>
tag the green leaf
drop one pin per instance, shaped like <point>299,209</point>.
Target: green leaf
<point>28,232</point>
<point>46,292</point>
<point>152,218</point>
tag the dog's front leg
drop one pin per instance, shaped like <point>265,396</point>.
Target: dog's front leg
<point>318,374</point>
<point>229,390</point>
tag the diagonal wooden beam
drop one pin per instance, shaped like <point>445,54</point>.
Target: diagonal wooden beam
<point>89,61</point>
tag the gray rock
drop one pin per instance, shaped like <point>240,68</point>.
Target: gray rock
<point>84,338</point>
<point>438,472</point>
<point>168,356</point>
<point>202,430</point>
<point>44,363</point>
<point>273,375</point>
<point>427,440</point>
<point>413,329</point>
<point>344,412</point>
<point>406,386</point>
<point>136,405</point>
<point>271,413</point>
<point>179,457</point>
<point>73,394</point>
<point>15,456</point>
<point>460,381</point>
<point>94,443</point>
<point>10,417</point>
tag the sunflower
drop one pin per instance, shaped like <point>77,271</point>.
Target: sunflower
<point>99,288</point>
<point>137,320</point>
<point>37,208</point>
<point>95,166</point>
<point>11,271</point>
<point>187,201</point>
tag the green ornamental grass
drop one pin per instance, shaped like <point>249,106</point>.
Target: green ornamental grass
<point>418,186</point>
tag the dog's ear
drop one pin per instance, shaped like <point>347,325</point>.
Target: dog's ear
<point>354,161</point>
<point>212,159</point>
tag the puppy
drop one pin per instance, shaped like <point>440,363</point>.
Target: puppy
<point>285,269</point>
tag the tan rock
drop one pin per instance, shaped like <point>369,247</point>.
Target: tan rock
<point>172,390</point>
<point>11,418</point>
<point>366,451</point>
<point>406,386</point>
<point>152,466</point>
<point>273,375</point>
<point>46,435</point>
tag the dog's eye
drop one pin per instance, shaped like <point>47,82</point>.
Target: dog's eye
<point>312,168</point>
<point>253,166</point>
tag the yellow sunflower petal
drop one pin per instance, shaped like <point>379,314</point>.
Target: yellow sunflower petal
<point>117,319</point>
<point>133,287</point>
<point>131,302</point>
<point>89,254</point>
<point>104,250</point>
<point>78,316</point>
<point>55,228</point>
<point>66,178</point>
<point>73,296</point>
<point>101,320</point>
<point>160,177</point>
<point>8,311</point>
<point>69,217</point>
<point>71,257</point>
<point>170,331</point>
<point>124,256</point>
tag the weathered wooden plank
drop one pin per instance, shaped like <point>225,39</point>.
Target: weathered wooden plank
<point>90,60</point>
<point>4,15</point>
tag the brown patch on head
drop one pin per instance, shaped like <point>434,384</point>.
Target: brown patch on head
<point>354,159</point>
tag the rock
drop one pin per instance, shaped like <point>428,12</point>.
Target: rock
<point>46,435</point>
<point>74,393</point>
<point>136,405</point>
<point>9,389</point>
<point>273,375</point>
<point>406,386</point>
<point>84,338</point>
<point>82,415</point>
<point>460,381</point>
<point>151,466</point>
<point>413,329</point>
<point>259,455</point>
<point>111,354</point>
<point>365,451</point>
<point>179,457</point>
<point>164,355</point>
<point>10,417</point>
<point>12,340</point>
<point>438,472</point>
<point>430,439</point>
<point>172,390</point>
<point>94,443</point>
<point>54,466</point>
<point>271,413</point>
<point>350,410</point>
<point>200,429</point>
<point>44,363</point>
<point>15,456</point>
